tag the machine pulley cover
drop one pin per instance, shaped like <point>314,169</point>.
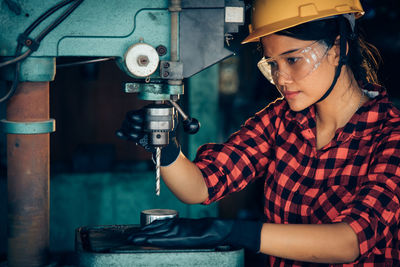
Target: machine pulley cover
<point>141,59</point>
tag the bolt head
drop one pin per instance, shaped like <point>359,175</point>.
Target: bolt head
<point>161,50</point>
<point>143,61</point>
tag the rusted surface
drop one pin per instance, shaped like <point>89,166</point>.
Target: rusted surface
<point>28,158</point>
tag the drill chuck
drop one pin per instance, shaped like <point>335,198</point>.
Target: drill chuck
<point>159,121</point>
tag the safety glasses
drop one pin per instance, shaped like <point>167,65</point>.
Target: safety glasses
<point>293,65</point>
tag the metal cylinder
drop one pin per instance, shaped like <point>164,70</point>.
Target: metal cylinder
<point>28,159</point>
<point>159,122</point>
<point>174,8</point>
<point>148,216</point>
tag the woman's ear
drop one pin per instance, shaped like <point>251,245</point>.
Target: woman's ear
<point>334,52</point>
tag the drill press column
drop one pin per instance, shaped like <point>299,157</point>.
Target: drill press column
<point>28,157</point>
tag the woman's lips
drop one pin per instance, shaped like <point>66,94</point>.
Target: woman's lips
<point>290,94</point>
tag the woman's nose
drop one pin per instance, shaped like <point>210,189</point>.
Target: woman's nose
<point>282,78</point>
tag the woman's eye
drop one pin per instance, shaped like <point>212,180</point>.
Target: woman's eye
<point>272,64</point>
<point>292,60</point>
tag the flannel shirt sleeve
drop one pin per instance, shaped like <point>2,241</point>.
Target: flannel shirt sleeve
<point>374,213</point>
<point>230,166</point>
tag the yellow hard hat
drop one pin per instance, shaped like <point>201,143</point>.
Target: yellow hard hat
<point>270,16</point>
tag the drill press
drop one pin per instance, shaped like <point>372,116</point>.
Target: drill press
<point>158,43</point>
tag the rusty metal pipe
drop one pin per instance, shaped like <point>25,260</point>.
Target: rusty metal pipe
<point>28,165</point>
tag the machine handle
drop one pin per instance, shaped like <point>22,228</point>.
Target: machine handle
<point>191,125</point>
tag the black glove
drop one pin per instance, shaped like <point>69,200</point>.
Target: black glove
<point>132,129</point>
<point>199,233</point>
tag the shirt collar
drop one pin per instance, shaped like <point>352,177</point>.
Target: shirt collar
<point>304,118</point>
<point>368,118</point>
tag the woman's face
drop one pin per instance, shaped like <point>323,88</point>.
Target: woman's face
<point>300,88</point>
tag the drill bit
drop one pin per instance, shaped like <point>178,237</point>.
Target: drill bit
<point>158,166</point>
<point>159,121</point>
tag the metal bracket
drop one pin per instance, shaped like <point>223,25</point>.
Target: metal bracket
<point>37,127</point>
<point>171,70</point>
<point>154,91</point>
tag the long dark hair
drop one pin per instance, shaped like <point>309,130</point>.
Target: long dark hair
<point>363,58</point>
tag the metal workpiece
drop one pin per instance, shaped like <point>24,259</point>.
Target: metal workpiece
<point>28,158</point>
<point>148,216</point>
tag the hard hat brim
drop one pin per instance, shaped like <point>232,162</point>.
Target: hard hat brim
<point>255,35</point>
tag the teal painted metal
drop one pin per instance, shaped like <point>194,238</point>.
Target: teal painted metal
<point>92,30</point>
<point>154,91</point>
<point>154,258</point>
<point>203,95</point>
<point>79,199</point>
<point>40,127</point>
<point>38,69</point>
<point>33,69</point>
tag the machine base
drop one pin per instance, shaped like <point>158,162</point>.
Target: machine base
<point>108,246</point>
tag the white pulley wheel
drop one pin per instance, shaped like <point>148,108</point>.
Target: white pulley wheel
<point>141,60</point>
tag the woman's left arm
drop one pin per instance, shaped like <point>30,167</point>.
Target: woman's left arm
<point>320,243</point>
<point>368,224</point>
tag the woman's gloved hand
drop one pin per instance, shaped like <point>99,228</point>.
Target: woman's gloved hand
<point>199,233</point>
<point>132,129</point>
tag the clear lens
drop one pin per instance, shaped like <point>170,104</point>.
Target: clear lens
<point>295,65</point>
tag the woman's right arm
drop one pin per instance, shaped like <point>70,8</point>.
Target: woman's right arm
<point>225,168</point>
<point>185,180</point>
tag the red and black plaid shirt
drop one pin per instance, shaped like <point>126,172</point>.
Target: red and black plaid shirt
<point>353,179</point>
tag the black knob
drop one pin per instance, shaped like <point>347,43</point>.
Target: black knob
<point>191,125</point>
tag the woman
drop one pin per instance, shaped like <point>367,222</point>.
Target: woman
<point>329,150</point>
